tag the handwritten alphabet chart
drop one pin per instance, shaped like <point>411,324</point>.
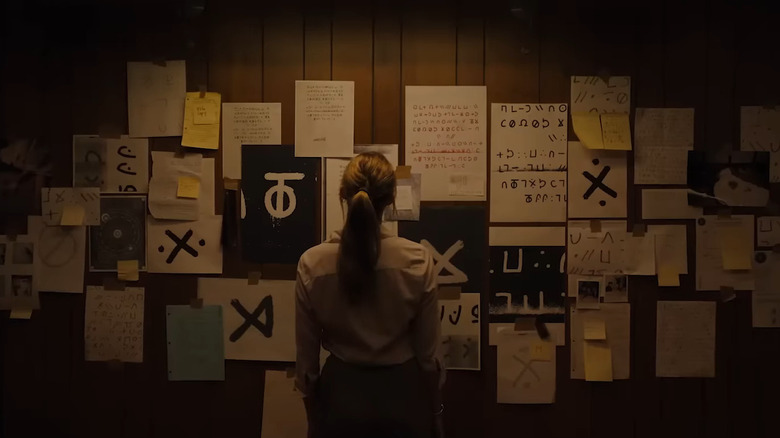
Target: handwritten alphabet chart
<point>114,324</point>
<point>446,140</point>
<point>324,118</point>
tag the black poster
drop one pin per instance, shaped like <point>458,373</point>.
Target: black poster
<point>121,234</point>
<point>455,236</point>
<point>527,280</point>
<point>280,192</point>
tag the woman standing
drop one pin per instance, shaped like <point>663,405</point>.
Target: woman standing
<point>370,299</point>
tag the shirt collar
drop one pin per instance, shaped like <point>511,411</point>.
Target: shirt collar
<point>335,237</point>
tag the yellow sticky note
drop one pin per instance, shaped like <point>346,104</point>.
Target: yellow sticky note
<point>668,276</point>
<point>616,131</point>
<point>21,314</point>
<point>201,121</point>
<point>587,126</point>
<point>542,350</point>
<point>189,187</point>
<point>598,361</point>
<point>595,329</point>
<point>72,215</point>
<point>735,245</point>
<point>127,270</point>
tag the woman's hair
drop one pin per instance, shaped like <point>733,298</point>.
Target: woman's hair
<point>368,186</point>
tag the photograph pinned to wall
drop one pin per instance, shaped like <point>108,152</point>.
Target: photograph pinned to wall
<point>523,377</point>
<point>185,247</point>
<point>155,98</point>
<point>446,140</point>
<point>114,324</point>
<point>324,118</point>
<point>280,192</point>
<point>711,253</point>
<point>597,183</point>
<point>527,275</point>
<point>589,293</point>
<point>259,319</point>
<point>167,169</point>
<point>768,230</point>
<point>662,137</point>
<point>196,350</point>
<point>56,200</point>
<point>59,260</point>
<point>121,234</point>
<point>733,179</point>
<point>89,160</point>
<point>685,339</point>
<point>766,296</point>
<point>334,213</point>
<point>616,318</point>
<point>591,94</point>
<point>760,132</point>
<point>460,338</point>
<point>18,279</point>
<point>615,289</point>
<point>257,123</point>
<point>201,120</point>
<point>528,196</point>
<point>455,237</point>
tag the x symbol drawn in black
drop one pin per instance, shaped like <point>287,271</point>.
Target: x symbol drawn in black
<point>598,183</point>
<point>181,244</point>
<point>251,319</point>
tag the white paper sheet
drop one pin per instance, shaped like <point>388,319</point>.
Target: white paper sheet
<point>446,136</point>
<point>520,379</point>
<point>612,250</point>
<point>528,137</point>
<point>671,246</point>
<point>685,339</point>
<point>496,330</point>
<point>334,215</point>
<point>324,118</point>
<point>247,123</point>
<point>710,274</point>
<point>768,230</point>
<point>283,411</point>
<point>89,160</point>
<point>760,131</point>
<point>403,198</point>
<point>662,139</point>
<point>668,204</point>
<point>166,170</point>
<point>597,182</point>
<point>592,94</point>
<point>155,98</point>
<point>55,199</point>
<point>191,247</point>
<point>60,255</point>
<point>127,165</point>
<point>18,279</point>
<point>766,296</point>
<point>243,338</point>
<point>114,324</point>
<point>528,196</point>
<point>617,318</point>
<point>460,336</point>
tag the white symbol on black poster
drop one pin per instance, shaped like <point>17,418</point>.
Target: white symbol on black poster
<point>443,263</point>
<point>280,195</point>
<point>121,234</point>
<point>527,280</point>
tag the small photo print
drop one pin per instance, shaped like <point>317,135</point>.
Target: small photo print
<point>21,285</point>
<point>588,292</point>
<point>22,253</point>
<point>615,289</point>
<point>2,254</point>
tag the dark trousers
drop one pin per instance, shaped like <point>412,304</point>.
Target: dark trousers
<point>373,402</point>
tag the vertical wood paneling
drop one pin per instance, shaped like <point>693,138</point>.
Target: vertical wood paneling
<point>511,54</point>
<point>387,89</point>
<point>317,41</point>
<point>470,44</point>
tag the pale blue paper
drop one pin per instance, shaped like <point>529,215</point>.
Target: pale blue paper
<point>196,349</point>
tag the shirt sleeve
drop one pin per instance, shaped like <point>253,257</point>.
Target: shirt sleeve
<point>308,335</point>
<point>426,327</point>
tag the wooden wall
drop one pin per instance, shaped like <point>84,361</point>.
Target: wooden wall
<point>63,73</point>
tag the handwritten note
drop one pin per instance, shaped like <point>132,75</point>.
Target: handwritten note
<point>685,339</point>
<point>155,98</point>
<point>591,94</point>
<point>616,131</point>
<point>617,319</point>
<point>127,270</point>
<point>587,127</point>
<point>114,324</point>
<point>195,343</point>
<point>710,272</point>
<point>663,138</point>
<point>446,136</point>
<point>595,330</point>
<point>72,215</point>
<point>596,252</point>
<point>189,187</point>
<point>768,230</point>
<point>760,131</point>
<point>247,123</point>
<point>766,296</point>
<point>201,120</point>
<point>55,199</point>
<point>671,248</point>
<point>736,244</point>
<point>324,118</point>
<point>598,361</point>
<point>164,202</point>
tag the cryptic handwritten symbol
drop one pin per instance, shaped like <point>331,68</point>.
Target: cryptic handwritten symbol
<point>181,244</point>
<point>442,261</point>
<point>519,262</point>
<point>56,246</point>
<point>129,153</point>
<point>267,328</point>
<point>597,182</point>
<point>96,156</point>
<point>278,211</point>
<point>126,170</point>
<point>526,368</point>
